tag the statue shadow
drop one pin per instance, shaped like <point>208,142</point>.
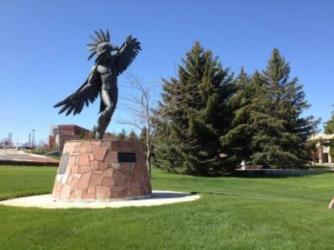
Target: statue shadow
<point>170,194</point>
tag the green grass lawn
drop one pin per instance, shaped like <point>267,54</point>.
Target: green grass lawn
<point>233,213</point>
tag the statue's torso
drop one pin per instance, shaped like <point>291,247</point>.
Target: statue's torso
<point>108,76</point>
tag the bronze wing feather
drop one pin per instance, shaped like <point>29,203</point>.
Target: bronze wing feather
<point>85,95</point>
<point>127,53</point>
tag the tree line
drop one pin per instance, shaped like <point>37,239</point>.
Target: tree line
<point>209,120</point>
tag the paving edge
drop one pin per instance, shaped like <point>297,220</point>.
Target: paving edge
<point>158,198</point>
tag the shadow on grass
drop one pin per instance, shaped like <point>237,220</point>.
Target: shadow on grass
<point>171,195</point>
<point>277,173</point>
<point>267,173</point>
<point>212,193</point>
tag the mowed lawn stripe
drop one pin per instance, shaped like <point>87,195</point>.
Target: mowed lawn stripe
<point>233,213</point>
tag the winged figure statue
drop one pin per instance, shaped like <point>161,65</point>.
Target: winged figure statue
<point>110,61</point>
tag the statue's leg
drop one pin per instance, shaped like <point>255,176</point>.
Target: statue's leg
<point>109,98</point>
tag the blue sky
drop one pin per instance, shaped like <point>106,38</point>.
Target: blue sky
<point>44,57</point>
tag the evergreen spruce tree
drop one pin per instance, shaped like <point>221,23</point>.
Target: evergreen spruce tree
<point>194,115</point>
<point>238,138</point>
<point>280,131</point>
<point>165,155</point>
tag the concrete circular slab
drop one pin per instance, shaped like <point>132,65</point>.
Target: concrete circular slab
<point>46,201</point>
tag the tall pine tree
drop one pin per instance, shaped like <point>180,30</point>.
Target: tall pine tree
<point>194,115</point>
<point>280,131</point>
<point>238,138</point>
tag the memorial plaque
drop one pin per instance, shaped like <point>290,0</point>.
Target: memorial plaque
<point>63,163</point>
<point>126,157</point>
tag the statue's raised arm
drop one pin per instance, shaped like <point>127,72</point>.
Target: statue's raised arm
<point>126,54</point>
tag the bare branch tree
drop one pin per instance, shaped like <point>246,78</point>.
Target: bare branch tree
<point>141,106</point>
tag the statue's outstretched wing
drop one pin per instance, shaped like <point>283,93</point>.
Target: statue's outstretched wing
<point>127,53</point>
<point>86,94</point>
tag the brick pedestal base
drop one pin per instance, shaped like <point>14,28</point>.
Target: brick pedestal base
<point>101,170</point>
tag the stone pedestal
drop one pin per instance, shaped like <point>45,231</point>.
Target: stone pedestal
<point>91,170</point>
<point>331,204</point>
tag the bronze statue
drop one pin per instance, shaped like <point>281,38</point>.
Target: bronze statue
<point>109,63</point>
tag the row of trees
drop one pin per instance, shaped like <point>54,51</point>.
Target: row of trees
<point>208,121</point>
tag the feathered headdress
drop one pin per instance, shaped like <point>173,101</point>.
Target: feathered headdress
<point>100,44</point>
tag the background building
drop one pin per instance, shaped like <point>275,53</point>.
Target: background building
<point>62,133</point>
<point>323,148</point>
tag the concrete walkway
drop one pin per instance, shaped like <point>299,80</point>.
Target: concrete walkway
<point>46,201</point>
<point>13,156</point>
